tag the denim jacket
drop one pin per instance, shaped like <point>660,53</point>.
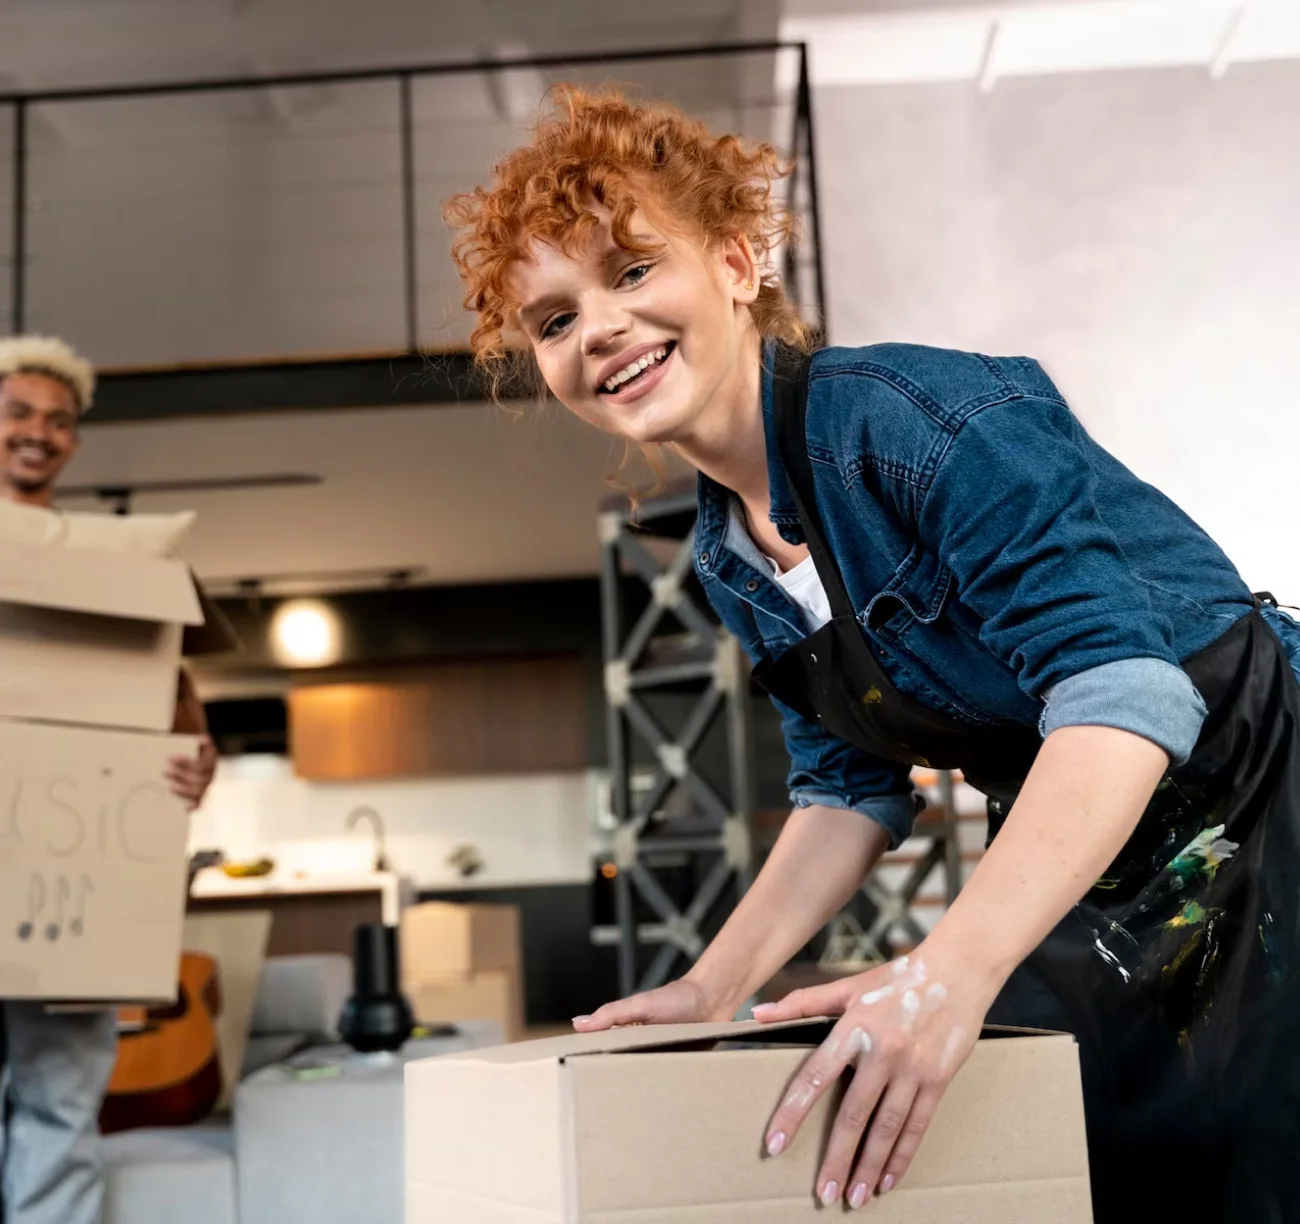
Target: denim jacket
<point>1004,567</point>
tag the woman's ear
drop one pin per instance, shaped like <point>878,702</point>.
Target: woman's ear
<point>740,269</point>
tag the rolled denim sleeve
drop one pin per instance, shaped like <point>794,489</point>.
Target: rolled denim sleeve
<point>1169,713</point>
<point>1012,513</point>
<point>826,770</point>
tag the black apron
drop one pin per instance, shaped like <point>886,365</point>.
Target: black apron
<point>1179,972</point>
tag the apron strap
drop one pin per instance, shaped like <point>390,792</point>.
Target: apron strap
<point>790,401</point>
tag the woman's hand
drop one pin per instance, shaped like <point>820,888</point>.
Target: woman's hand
<point>905,1029</point>
<point>682,1002</point>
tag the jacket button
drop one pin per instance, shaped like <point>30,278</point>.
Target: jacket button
<point>704,558</point>
<point>752,585</point>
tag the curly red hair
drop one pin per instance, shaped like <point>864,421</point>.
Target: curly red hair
<point>599,147</point>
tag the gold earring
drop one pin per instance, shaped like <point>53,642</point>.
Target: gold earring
<point>749,284</point>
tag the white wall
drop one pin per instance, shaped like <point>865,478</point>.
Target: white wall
<point>1138,232</point>
<point>530,829</point>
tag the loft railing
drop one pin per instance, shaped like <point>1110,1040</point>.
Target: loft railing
<point>284,218</point>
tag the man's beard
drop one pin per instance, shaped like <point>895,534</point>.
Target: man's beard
<point>29,485</point>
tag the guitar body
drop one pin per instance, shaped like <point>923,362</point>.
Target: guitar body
<point>168,1073</point>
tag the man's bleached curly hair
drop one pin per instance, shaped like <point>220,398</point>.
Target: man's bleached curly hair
<point>50,356</point>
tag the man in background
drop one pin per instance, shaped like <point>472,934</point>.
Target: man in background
<point>58,1064</point>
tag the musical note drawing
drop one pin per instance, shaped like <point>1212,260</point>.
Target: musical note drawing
<point>35,903</point>
<point>65,900</point>
<point>62,892</point>
<point>85,886</point>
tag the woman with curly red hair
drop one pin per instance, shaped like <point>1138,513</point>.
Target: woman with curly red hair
<point>930,561</point>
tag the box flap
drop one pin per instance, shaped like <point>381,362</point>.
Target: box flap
<point>631,1037</point>
<point>212,633</point>
<point>668,1036</point>
<point>105,583</point>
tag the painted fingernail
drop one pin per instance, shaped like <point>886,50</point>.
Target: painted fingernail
<point>764,1009</point>
<point>858,1195</point>
<point>581,1019</point>
<point>887,1183</point>
<point>776,1142</point>
<point>830,1193</point>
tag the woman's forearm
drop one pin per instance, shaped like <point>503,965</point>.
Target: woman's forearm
<point>1078,806</point>
<point>818,862</point>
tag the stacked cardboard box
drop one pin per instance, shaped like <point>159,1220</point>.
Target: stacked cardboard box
<point>463,962</point>
<point>664,1125</point>
<point>92,842</point>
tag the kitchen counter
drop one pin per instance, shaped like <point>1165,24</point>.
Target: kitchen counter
<point>313,911</point>
<point>396,891</point>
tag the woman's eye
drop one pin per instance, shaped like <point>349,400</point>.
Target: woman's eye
<point>553,327</point>
<point>635,274</point>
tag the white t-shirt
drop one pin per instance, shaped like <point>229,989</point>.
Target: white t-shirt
<point>804,586</point>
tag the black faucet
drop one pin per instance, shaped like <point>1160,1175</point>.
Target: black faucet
<point>377,824</point>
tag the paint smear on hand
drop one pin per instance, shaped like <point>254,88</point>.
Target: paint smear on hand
<point>935,995</point>
<point>875,996</point>
<point>800,1097</point>
<point>859,1043</point>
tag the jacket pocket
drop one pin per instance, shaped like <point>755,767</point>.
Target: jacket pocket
<point>916,591</point>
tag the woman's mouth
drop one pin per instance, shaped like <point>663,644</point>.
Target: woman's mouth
<point>637,377</point>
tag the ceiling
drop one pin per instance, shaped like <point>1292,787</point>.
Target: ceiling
<point>987,41</point>
<point>468,493</point>
<point>68,43</point>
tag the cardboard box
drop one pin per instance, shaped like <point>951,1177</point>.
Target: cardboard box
<point>439,940</point>
<point>92,637</point>
<point>644,1125</point>
<point>92,864</point>
<point>495,994</point>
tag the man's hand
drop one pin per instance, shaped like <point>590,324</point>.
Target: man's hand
<point>189,777</point>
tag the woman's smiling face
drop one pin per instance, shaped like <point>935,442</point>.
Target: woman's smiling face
<point>637,344</point>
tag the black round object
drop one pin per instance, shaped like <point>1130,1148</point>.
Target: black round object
<point>377,1016</point>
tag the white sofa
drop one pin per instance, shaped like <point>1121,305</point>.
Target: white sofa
<point>293,1149</point>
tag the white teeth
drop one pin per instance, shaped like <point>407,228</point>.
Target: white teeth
<point>633,368</point>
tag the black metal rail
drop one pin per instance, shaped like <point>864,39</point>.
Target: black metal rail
<point>404,76</point>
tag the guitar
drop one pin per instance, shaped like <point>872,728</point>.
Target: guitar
<point>168,1069</point>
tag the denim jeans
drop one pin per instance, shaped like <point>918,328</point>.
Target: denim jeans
<point>57,1067</point>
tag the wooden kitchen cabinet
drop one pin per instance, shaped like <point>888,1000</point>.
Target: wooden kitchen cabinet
<point>474,717</point>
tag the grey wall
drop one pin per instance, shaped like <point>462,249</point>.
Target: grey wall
<point>1138,232</point>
